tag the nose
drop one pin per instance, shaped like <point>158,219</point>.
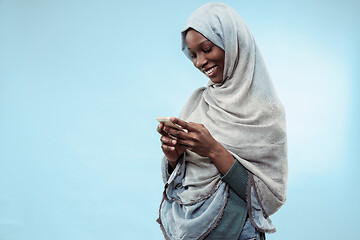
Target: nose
<point>200,61</point>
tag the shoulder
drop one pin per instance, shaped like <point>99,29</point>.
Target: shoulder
<point>192,102</point>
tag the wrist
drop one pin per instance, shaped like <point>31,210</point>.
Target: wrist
<point>172,163</point>
<point>221,158</point>
<point>217,152</point>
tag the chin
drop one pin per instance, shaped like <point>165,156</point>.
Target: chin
<point>216,80</point>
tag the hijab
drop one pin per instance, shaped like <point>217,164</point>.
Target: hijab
<point>242,112</point>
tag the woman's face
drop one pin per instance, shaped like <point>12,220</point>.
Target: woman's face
<point>206,56</point>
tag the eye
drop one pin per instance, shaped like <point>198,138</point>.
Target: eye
<point>193,56</point>
<point>207,49</point>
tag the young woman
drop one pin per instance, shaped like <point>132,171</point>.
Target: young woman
<point>225,172</point>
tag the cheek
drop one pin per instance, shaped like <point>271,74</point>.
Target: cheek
<point>220,57</point>
<point>222,61</point>
<point>223,58</point>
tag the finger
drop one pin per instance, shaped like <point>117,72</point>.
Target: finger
<point>167,148</point>
<point>174,132</point>
<point>159,127</point>
<point>182,124</point>
<point>168,141</point>
<point>186,143</point>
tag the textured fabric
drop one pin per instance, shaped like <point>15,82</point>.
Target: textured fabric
<point>232,221</point>
<point>250,233</point>
<point>202,178</point>
<point>237,178</point>
<point>235,212</point>
<point>242,112</point>
<point>256,215</point>
<point>189,220</point>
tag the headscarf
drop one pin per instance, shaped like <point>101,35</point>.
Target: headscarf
<point>242,112</point>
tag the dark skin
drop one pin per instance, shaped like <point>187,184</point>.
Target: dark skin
<point>209,59</point>
<point>206,56</point>
<point>198,140</point>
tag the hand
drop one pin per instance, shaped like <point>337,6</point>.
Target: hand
<point>170,146</point>
<point>197,138</point>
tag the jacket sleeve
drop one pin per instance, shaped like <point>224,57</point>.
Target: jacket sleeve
<point>237,178</point>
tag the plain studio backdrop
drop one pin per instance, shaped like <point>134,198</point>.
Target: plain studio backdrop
<point>81,83</point>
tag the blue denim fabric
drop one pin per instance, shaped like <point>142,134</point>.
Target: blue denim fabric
<point>250,233</point>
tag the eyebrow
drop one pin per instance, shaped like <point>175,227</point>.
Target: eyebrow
<point>201,43</point>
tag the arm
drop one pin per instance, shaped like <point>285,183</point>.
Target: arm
<point>237,178</point>
<point>199,140</point>
<point>221,158</point>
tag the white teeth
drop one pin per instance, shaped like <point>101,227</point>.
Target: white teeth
<point>210,70</point>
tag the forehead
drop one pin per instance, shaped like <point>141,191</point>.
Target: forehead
<point>195,39</point>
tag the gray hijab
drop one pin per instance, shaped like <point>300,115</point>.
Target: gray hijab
<point>242,112</point>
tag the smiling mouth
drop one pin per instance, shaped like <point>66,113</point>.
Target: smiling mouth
<point>209,71</point>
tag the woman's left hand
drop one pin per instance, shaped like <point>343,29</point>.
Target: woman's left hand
<point>197,138</point>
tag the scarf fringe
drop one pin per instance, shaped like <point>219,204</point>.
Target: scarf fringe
<point>251,183</point>
<point>212,226</point>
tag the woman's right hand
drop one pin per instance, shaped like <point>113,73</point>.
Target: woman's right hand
<point>170,146</point>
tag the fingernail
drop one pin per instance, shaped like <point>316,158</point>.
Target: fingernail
<point>173,141</point>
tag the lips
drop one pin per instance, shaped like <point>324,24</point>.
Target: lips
<point>210,71</point>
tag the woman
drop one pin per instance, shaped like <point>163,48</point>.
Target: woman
<point>225,173</point>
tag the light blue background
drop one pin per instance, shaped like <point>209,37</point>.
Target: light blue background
<point>81,83</point>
